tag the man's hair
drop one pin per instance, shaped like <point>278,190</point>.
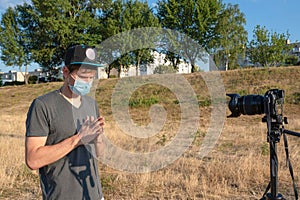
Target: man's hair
<point>77,67</point>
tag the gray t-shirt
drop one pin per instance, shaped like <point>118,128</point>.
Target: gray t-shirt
<point>75,176</point>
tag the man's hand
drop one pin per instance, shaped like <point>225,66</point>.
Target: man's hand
<point>91,129</point>
<point>37,154</point>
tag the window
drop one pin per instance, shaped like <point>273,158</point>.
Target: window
<point>296,49</point>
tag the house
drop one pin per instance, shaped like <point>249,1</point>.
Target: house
<point>160,59</point>
<point>101,73</point>
<point>42,75</point>
<point>12,76</point>
<point>144,69</point>
<point>296,50</point>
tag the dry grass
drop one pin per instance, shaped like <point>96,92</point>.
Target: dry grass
<point>237,168</point>
<point>16,180</point>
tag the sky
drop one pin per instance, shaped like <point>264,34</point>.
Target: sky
<point>276,15</point>
<point>279,16</point>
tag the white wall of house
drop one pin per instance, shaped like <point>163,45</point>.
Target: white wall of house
<point>296,50</point>
<point>39,73</point>
<point>12,76</point>
<point>148,69</point>
<point>101,73</point>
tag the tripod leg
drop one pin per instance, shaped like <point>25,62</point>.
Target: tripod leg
<point>274,169</point>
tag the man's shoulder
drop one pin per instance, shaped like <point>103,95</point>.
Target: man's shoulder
<point>88,98</point>
<point>49,97</point>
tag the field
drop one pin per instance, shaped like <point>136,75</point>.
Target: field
<point>236,168</point>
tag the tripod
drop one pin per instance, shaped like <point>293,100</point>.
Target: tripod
<point>275,125</point>
<point>272,105</point>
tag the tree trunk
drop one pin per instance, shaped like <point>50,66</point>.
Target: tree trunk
<point>25,74</point>
<point>226,65</point>
<point>193,68</point>
<point>137,67</point>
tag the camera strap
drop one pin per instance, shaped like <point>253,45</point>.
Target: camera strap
<point>289,164</point>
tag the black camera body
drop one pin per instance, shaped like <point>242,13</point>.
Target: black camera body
<point>271,104</point>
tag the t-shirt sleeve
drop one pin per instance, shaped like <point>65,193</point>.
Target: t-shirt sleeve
<point>36,122</point>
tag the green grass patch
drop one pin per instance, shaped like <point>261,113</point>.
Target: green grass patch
<point>143,102</point>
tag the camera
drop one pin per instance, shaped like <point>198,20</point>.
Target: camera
<point>271,103</point>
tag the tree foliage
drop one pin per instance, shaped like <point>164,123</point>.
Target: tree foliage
<point>54,25</point>
<point>268,49</point>
<point>13,42</point>
<point>125,16</point>
<point>164,69</point>
<point>195,18</point>
<point>41,32</point>
<point>230,38</point>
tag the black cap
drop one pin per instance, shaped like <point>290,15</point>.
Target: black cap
<point>81,55</point>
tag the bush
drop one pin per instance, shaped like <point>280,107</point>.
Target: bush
<point>14,83</point>
<point>291,60</point>
<point>112,76</point>
<point>32,79</point>
<point>164,69</point>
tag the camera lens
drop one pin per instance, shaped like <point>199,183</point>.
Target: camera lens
<point>251,105</point>
<point>246,105</point>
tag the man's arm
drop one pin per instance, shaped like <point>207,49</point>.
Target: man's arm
<point>100,146</point>
<point>38,155</point>
<point>99,143</point>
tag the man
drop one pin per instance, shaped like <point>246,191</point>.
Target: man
<point>63,132</point>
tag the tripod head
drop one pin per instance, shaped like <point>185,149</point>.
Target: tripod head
<point>274,100</point>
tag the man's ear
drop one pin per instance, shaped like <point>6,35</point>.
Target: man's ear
<point>65,71</point>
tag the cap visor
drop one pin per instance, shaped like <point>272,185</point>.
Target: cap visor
<point>87,63</point>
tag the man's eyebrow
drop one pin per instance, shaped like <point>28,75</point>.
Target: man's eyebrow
<point>85,75</point>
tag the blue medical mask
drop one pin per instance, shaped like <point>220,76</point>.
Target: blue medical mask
<point>81,87</point>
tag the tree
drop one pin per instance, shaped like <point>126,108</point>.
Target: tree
<point>291,60</point>
<point>195,18</point>
<point>124,16</point>
<point>54,25</point>
<point>230,37</point>
<point>13,42</point>
<point>139,15</point>
<point>164,69</point>
<point>268,49</point>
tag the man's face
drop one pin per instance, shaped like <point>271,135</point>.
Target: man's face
<point>83,74</point>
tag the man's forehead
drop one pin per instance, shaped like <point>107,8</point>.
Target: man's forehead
<point>83,70</point>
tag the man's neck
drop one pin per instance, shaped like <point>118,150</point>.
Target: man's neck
<point>74,99</point>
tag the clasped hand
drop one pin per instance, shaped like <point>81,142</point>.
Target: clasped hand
<point>91,129</point>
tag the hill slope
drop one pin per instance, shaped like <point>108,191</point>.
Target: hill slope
<point>236,168</point>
